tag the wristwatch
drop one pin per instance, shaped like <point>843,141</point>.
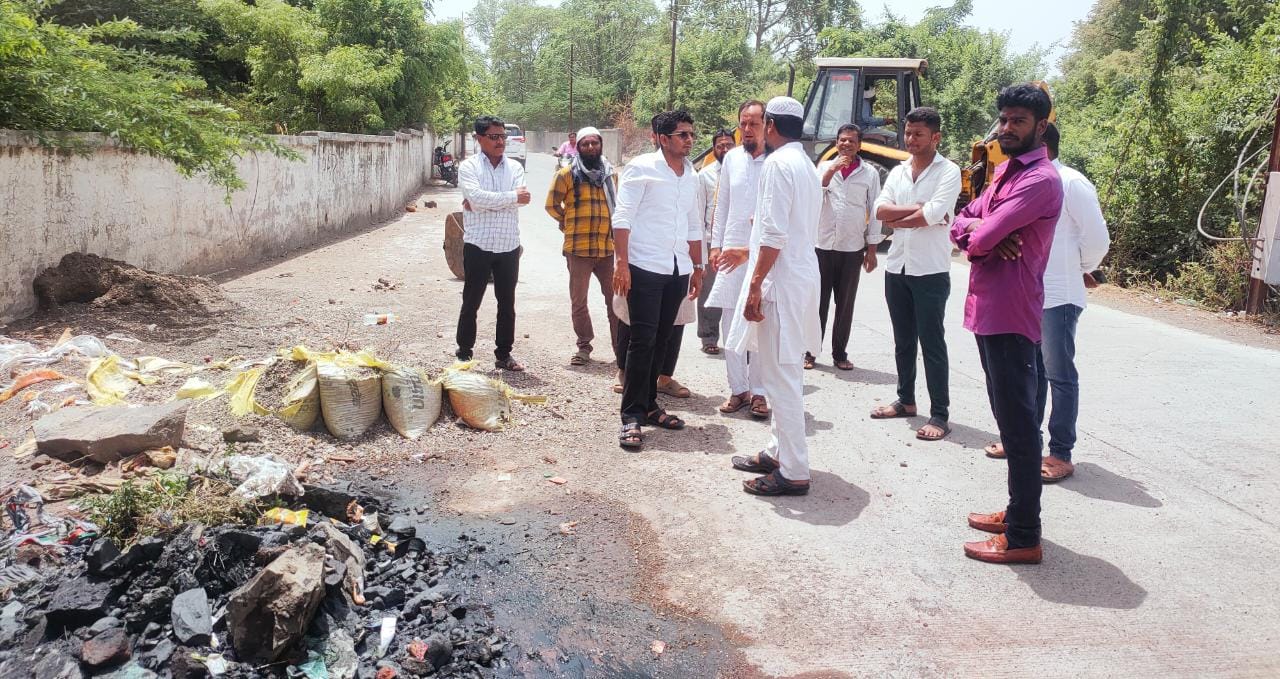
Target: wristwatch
<point>699,267</point>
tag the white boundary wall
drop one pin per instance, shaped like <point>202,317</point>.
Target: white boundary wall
<point>128,206</point>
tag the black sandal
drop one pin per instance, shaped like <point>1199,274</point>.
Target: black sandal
<point>631,436</point>
<point>756,464</point>
<point>664,419</point>
<point>899,410</point>
<point>509,364</point>
<point>774,484</point>
<point>938,422</point>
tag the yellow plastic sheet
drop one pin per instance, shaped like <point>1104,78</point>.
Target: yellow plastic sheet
<point>155,364</point>
<point>241,388</point>
<point>106,382</point>
<point>342,359</point>
<point>196,388</point>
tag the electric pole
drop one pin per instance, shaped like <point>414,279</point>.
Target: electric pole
<point>671,82</point>
<point>571,128</point>
<point>1257,286</point>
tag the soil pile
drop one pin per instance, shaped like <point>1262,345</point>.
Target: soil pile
<point>110,284</point>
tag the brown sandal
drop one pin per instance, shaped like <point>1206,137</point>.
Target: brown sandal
<point>734,404</point>
<point>756,464</point>
<point>1053,470</point>
<point>895,409</point>
<point>994,450</point>
<point>846,364</point>
<point>760,407</point>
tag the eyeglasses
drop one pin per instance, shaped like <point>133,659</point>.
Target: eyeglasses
<point>495,137</point>
<point>683,134</point>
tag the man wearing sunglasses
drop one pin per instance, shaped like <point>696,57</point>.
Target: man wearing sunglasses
<point>657,235</point>
<point>493,192</point>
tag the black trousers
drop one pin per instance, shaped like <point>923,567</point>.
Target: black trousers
<point>839,272</point>
<point>917,305</point>
<point>653,303</point>
<point>1009,361</point>
<point>477,266</point>
<point>670,353</point>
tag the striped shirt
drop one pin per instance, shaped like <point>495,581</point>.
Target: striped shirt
<point>493,222</point>
<point>585,220</point>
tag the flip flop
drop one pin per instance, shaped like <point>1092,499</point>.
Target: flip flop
<point>510,364</point>
<point>711,350</point>
<point>937,422</point>
<point>899,410</point>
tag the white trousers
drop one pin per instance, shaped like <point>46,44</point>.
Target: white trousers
<point>785,384</point>
<point>742,377</point>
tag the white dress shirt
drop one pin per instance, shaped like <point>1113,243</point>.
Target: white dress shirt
<point>925,250</point>
<point>708,180</point>
<point>787,220</point>
<point>1080,241</point>
<point>493,222</point>
<point>660,209</point>
<point>848,223</point>
<point>731,227</point>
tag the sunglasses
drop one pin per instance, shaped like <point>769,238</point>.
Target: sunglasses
<point>495,137</point>
<point>685,135</point>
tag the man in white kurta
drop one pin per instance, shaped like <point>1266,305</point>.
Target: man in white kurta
<point>779,301</point>
<point>731,230</point>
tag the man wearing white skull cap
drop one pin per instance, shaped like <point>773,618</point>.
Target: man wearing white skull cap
<point>780,299</point>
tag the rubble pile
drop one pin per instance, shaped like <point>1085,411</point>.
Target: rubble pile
<point>332,588</point>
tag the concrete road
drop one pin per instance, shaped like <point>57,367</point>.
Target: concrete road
<point>1159,554</point>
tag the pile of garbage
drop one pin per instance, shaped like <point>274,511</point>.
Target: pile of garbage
<point>348,391</point>
<point>330,586</point>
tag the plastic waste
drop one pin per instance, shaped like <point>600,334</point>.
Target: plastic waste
<point>340,654</point>
<point>411,400</point>
<point>241,388</point>
<point>482,402</point>
<point>313,668</point>
<point>285,517</point>
<point>107,382</point>
<point>386,634</point>
<point>18,357</point>
<point>302,400</point>
<point>262,475</point>
<point>350,399</point>
<point>27,379</point>
<point>196,388</point>
<point>380,319</point>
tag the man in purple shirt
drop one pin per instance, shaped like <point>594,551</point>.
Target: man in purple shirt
<point>1004,305</point>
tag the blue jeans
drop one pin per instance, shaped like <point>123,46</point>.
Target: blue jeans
<point>1056,374</point>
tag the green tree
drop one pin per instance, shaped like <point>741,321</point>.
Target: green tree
<point>713,75</point>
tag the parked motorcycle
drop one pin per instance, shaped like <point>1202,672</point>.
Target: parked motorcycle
<point>446,167</point>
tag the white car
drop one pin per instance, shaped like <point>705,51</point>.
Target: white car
<point>517,150</point>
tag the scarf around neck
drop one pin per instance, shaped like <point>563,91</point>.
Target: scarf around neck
<point>600,177</point>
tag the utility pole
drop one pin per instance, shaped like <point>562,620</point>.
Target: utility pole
<point>1257,285</point>
<point>571,127</point>
<point>671,82</point>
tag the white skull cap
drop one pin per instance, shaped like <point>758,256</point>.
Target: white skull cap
<point>784,106</point>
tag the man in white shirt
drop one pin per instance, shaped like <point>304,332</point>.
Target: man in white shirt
<point>731,229</point>
<point>780,300</point>
<point>918,202</point>
<point>708,181</point>
<point>1080,241</point>
<point>493,191</point>
<point>847,236</point>
<point>657,234</point>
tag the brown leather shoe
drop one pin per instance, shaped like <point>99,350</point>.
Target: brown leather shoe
<point>992,523</point>
<point>996,550</point>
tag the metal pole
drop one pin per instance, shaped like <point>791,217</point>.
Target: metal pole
<point>1257,287</point>
<point>571,128</point>
<point>671,82</point>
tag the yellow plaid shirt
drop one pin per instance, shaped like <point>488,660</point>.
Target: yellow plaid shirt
<point>586,223</point>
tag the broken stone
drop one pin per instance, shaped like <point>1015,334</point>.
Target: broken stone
<point>152,606</point>
<point>242,433</point>
<point>77,603</point>
<point>439,650</point>
<point>131,670</point>
<point>271,612</point>
<point>192,619</point>
<point>146,550</point>
<point>106,435</point>
<point>104,625</point>
<point>161,653</point>
<point>100,556</point>
<point>56,665</point>
<point>402,527</point>
<point>340,548</point>
<point>108,648</point>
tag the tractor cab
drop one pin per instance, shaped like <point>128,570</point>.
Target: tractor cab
<point>873,93</point>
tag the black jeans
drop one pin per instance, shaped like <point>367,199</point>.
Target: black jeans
<point>653,303</point>
<point>670,353</point>
<point>917,306</point>
<point>477,266</point>
<point>1009,360</point>
<point>839,273</point>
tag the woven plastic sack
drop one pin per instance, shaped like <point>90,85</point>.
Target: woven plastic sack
<point>350,399</point>
<point>301,406</point>
<point>412,402</point>
<point>481,402</point>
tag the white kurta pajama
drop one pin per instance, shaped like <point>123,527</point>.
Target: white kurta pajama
<point>786,218</point>
<point>731,228</point>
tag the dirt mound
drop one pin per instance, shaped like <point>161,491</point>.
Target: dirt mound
<point>109,284</point>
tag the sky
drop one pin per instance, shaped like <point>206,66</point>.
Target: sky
<point>1049,24</point>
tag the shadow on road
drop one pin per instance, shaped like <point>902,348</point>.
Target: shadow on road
<point>1096,482</point>
<point>962,435</point>
<point>831,501</point>
<point>1066,577</point>
<point>860,375</point>
<point>710,439</point>
<point>813,426</point>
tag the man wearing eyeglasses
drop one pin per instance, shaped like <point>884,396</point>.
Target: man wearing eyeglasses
<point>657,235</point>
<point>493,192</point>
